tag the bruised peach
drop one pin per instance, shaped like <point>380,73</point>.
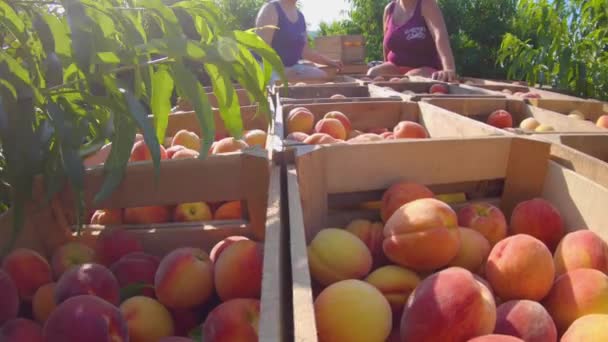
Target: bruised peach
<point>484,218</point>
<point>229,211</point>
<point>44,302</point>
<point>581,249</point>
<point>91,279</point>
<point>410,130</point>
<point>21,330</point>
<point>539,218</point>
<point>147,215</point>
<point>220,246</point>
<point>107,217</point>
<point>402,193</point>
<point>234,320</point>
<point>525,319</point>
<point>238,270</point>
<point>396,284</point>
<point>71,254</point>
<point>9,298</point>
<point>589,328</point>
<point>136,268</point>
<point>331,127</point>
<point>300,119</point>
<point>147,319</point>
<point>228,145</point>
<point>473,252</point>
<point>114,243</point>
<point>28,270</point>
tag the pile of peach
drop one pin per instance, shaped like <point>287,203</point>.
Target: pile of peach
<point>335,127</point>
<point>111,290</point>
<point>503,119</point>
<point>430,273</point>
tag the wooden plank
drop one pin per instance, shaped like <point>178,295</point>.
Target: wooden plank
<point>416,91</point>
<point>303,102</point>
<point>497,88</point>
<point>442,123</point>
<point>591,109</point>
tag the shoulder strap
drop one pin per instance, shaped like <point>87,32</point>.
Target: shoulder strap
<point>418,10</point>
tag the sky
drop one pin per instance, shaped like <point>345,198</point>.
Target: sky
<point>316,11</point>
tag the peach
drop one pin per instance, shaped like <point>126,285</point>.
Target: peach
<point>413,232</point>
<point>141,152</point>
<point>136,268</point>
<point>399,194</point>
<point>44,302</point>
<point>529,124</point>
<point>410,130</point>
<point>590,328</point>
<point>28,270</point>
<point>185,153</point>
<point>450,305</point>
<point>255,137</point>
<point>520,267</point>
<point>352,310</point>
<point>337,97</point>
<point>300,119</point>
<point>9,298</point>
<point>396,284</point>
<point>342,118</point>
<point>484,218</point>
<point>90,279</point>
<point>185,320</point>
<point>107,216</point>
<point>335,254</point>
<point>175,339</point>
<point>228,145</point>
<point>576,114</point>
<point>473,252</point>
<point>388,135</point>
<point>221,246</point>
<point>297,136</point>
<point>496,338</point>
<point>86,318</point>
<point>539,218</point>
<point>147,319</point>
<point>147,215</point>
<point>21,330</point>
<point>525,319</point>
<point>320,139</point>
<point>438,88</point>
<point>602,121</point>
<point>371,233</point>
<point>114,243</point>
<point>575,294</point>
<point>71,254</point>
<point>229,211</point>
<point>544,128</point>
<point>331,127</point>
<point>500,119</point>
<point>378,79</point>
<point>233,320</point>
<point>171,151</point>
<point>184,278</point>
<point>195,211</point>
<point>238,270</point>
<point>377,130</point>
<point>581,249</point>
<point>186,138</point>
<point>365,138</point>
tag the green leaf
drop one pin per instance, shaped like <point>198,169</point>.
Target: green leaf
<point>257,44</point>
<point>11,20</point>
<point>133,289</point>
<point>162,90</point>
<point>60,35</point>
<point>227,99</point>
<point>108,57</point>
<point>81,27</point>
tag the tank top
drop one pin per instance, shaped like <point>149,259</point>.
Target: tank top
<point>411,44</point>
<point>289,40</point>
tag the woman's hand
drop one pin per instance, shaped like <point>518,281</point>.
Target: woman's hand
<point>445,75</point>
<point>336,63</point>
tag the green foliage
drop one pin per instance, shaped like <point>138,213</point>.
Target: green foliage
<point>560,43</point>
<point>342,27</point>
<point>239,14</point>
<point>367,15</point>
<point>81,73</point>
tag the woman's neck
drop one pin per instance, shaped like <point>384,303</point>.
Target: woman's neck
<point>407,3</point>
<point>288,4</point>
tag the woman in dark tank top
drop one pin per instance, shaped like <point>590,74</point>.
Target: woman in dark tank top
<point>290,41</point>
<point>416,41</point>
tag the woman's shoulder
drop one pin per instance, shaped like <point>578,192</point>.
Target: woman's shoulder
<point>389,7</point>
<point>268,12</point>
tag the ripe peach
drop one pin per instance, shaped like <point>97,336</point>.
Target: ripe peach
<point>525,319</point>
<point>233,320</point>
<point>602,121</point>
<point>300,119</point>
<point>71,254</point>
<point>114,243</point>
<point>396,284</point>
<point>500,119</point>
<point>331,127</point>
<point>438,88</point>
<point>335,254</point>
<point>228,145</point>
<point>140,152</point>
<point>410,130</point>
<point>365,138</point>
<point>529,124</point>
<point>107,216</point>
<point>147,215</point>
<point>496,338</point>
<point>186,138</point>
<point>520,267</point>
<point>435,312</point>
<point>352,310</point>
<point>297,136</point>
<point>147,319</point>
<point>372,236</point>
<point>220,246</point>
<point>473,252</point>
<point>337,97</point>
<point>342,118</point>
<point>255,137</point>
<point>86,318</point>
<point>399,194</point>
<point>185,153</point>
<point>319,139</point>
<point>28,270</point>
<point>539,218</point>
<point>414,231</point>
<point>544,128</point>
<point>377,130</point>
<point>238,270</point>
<point>184,278</point>
<point>229,211</point>
<point>44,302</point>
<point>195,211</point>
<point>577,293</point>
<point>9,298</point>
<point>576,114</point>
<point>581,249</point>
<point>136,268</point>
<point>590,328</point>
<point>90,279</point>
<point>21,330</point>
<point>171,151</point>
<point>175,339</point>
<point>484,218</point>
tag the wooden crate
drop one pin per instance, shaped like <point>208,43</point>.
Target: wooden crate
<point>480,109</point>
<point>499,88</point>
<point>325,180</point>
<point>347,48</point>
<point>324,91</point>
<point>415,91</point>
<point>289,101</point>
<point>247,176</point>
<point>590,108</point>
<point>329,81</point>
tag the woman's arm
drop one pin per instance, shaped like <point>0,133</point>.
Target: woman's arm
<point>315,57</point>
<point>436,23</point>
<point>267,17</point>
<point>384,27</point>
